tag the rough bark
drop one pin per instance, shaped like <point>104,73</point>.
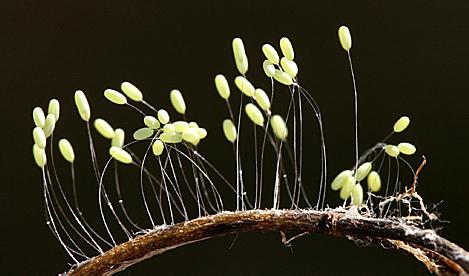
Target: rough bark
<point>438,254</point>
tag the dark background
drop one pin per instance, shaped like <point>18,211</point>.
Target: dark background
<point>410,58</point>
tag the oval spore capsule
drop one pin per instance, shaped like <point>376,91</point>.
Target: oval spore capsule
<point>190,135</point>
<point>283,77</point>
<point>168,128</point>
<point>269,68</point>
<point>345,38</point>
<point>340,180</point>
<point>270,53</point>
<point>262,99</point>
<point>49,125</point>
<point>157,147</point>
<point>254,114</point>
<point>363,171</point>
<point>401,124</point>
<point>177,101</point>
<point>357,194</point>
<point>115,97</point>
<point>119,138</point>
<point>279,127</point>
<point>39,155</point>
<point>120,155</point>
<point>39,137</point>
<point>171,137</point>
<point>347,187</point>
<point>391,150</point>
<point>229,130</point>
<point>82,105</point>
<point>407,148</point>
<point>38,117</point>
<point>104,128</point>
<point>143,133</point>
<point>222,86</point>
<point>289,67</point>
<point>287,48</point>
<point>151,122</point>
<point>54,108</point>
<point>202,132</point>
<point>66,150</point>
<point>181,126</point>
<point>163,116</point>
<point>374,181</point>
<point>240,56</point>
<point>244,86</point>
<point>132,91</point>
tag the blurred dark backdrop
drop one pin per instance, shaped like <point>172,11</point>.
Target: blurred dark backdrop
<point>410,58</point>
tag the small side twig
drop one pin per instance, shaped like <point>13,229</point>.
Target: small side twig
<point>287,242</point>
<point>412,192</point>
<point>407,196</point>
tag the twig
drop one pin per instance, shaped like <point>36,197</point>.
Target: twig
<point>414,184</point>
<point>439,252</point>
<point>287,242</point>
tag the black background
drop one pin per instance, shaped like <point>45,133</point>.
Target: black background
<point>410,58</point>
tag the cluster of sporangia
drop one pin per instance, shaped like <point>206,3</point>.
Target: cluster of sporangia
<point>162,131</point>
<point>160,128</point>
<point>283,70</point>
<point>179,131</point>
<point>348,181</point>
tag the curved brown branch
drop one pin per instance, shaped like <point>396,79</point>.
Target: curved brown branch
<point>437,253</point>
